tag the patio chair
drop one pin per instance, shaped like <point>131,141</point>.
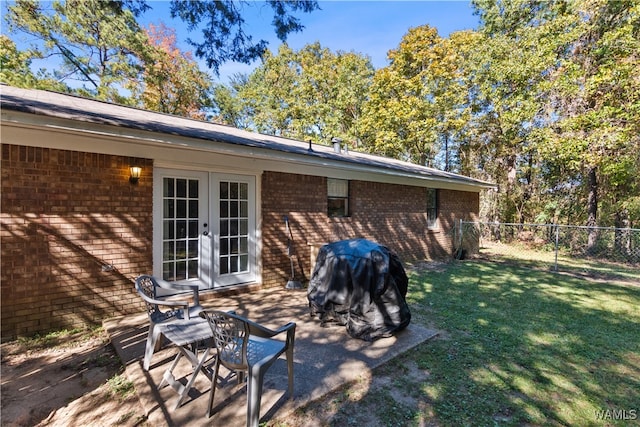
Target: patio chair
<point>151,289</point>
<point>244,346</point>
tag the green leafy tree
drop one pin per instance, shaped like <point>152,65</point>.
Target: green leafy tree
<point>596,109</point>
<point>455,104</point>
<point>576,90</point>
<point>310,94</point>
<point>329,94</point>
<point>98,41</point>
<point>224,35</point>
<point>102,47</point>
<point>463,141</point>
<point>15,69</point>
<point>417,105</point>
<point>506,74</point>
<point>267,97</point>
<point>230,109</point>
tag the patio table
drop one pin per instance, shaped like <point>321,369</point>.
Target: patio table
<point>189,336</point>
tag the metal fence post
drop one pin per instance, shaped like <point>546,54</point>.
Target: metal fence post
<point>557,240</point>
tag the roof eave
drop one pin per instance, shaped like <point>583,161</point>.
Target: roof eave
<point>192,135</point>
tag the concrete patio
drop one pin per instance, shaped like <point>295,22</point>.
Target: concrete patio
<point>325,358</point>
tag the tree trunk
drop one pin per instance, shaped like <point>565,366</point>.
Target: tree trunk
<point>527,189</point>
<point>592,209</point>
<point>510,210</point>
<point>446,152</point>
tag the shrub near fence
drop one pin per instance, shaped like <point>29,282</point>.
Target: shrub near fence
<point>560,243</point>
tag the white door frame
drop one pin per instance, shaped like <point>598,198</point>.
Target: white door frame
<point>209,276</point>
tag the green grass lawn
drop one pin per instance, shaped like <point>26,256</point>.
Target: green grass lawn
<point>524,346</point>
<point>524,255</point>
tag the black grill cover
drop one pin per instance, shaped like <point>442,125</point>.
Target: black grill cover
<point>362,285</point>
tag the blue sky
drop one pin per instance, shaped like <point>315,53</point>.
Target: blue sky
<point>368,27</point>
<point>371,28</point>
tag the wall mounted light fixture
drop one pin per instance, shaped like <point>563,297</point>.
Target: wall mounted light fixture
<point>135,172</point>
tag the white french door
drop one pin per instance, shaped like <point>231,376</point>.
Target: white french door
<point>234,225</point>
<point>204,227</point>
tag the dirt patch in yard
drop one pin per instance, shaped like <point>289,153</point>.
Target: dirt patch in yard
<point>72,379</point>
<point>389,396</point>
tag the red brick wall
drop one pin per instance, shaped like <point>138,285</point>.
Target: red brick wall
<point>393,215</point>
<point>65,215</point>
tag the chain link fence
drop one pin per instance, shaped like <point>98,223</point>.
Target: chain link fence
<point>560,246</point>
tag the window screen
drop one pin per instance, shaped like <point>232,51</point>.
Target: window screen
<point>432,208</point>
<point>337,197</point>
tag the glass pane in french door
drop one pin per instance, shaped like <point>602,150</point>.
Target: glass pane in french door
<point>233,256</point>
<point>180,228</point>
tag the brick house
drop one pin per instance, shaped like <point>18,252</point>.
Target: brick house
<point>208,207</point>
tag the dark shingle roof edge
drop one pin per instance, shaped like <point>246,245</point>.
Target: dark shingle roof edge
<point>70,107</point>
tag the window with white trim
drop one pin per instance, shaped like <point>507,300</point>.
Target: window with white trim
<point>432,208</point>
<point>337,197</point>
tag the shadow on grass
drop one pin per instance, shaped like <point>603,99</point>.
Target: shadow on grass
<point>519,346</point>
<point>526,346</point>
<point>581,266</point>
